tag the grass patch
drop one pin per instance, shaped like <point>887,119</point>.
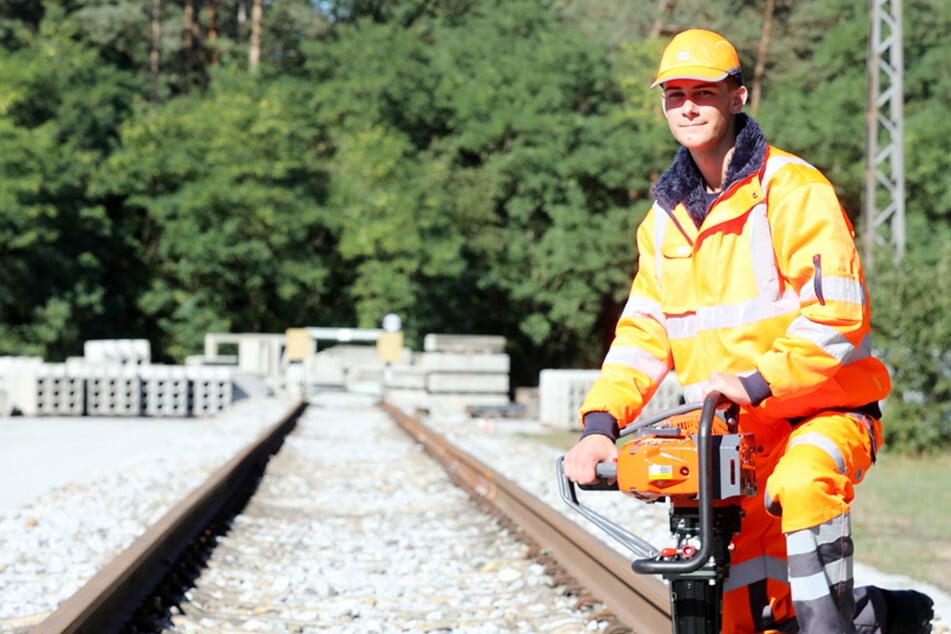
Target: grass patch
<point>900,516</point>
<point>563,440</point>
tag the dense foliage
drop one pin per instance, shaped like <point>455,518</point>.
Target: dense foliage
<point>176,167</point>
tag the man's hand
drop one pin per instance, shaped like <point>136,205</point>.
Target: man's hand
<point>580,462</point>
<point>729,386</point>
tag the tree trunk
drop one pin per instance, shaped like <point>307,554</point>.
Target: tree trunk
<point>156,43</point>
<point>254,52</point>
<point>756,86</point>
<point>213,30</point>
<point>188,41</point>
<point>664,9</point>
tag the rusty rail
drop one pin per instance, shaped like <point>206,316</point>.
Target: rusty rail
<point>640,602</point>
<point>108,599</point>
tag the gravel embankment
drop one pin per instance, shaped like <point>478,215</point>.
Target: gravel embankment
<point>56,542</point>
<point>52,545</point>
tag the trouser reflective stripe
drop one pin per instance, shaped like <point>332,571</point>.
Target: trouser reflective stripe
<point>820,576</point>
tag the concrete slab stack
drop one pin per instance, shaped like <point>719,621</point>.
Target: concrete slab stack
<point>115,379</point>
<point>166,391</point>
<point>118,351</point>
<point>465,369</point>
<point>46,389</point>
<point>405,384</point>
<point>113,390</point>
<point>561,392</point>
<point>212,389</point>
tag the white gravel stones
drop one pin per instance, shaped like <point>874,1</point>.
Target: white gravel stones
<point>355,530</point>
<point>51,546</point>
<point>390,560</point>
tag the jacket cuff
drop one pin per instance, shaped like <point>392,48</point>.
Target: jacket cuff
<point>756,387</point>
<point>600,423</point>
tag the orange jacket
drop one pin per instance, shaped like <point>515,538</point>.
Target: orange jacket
<point>769,287</point>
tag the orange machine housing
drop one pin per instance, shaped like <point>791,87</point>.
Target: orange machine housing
<point>664,461</point>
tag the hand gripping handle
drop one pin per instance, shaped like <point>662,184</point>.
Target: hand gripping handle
<point>650,562</point>
<point>629,540</point>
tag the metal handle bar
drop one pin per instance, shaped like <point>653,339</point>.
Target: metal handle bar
<point>637,545</point>
<point>705,503</point>
<point>649,562</point>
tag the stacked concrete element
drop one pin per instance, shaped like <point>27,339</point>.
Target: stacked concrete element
<point>12,372</point>
<point>116,380</point>
<point>561,393</point>
<point>112,389</point>
<point>166,391</point>
<point>454,370</point>
<point>212,389</point>
<point>118,351</point>
<point>351,367</point>
<point>44,389</point>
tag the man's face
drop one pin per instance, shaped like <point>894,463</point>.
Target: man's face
<point>700,114</point>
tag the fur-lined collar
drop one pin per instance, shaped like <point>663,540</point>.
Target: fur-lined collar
<point>682,181</point>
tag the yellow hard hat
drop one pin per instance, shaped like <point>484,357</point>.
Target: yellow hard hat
<point>700,55</point>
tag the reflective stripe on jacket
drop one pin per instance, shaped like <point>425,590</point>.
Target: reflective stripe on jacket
<point>771,281</point>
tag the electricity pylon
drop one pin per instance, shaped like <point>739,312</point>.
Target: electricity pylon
<point>884,213</point>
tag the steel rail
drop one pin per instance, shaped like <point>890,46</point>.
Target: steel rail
<point>110,597</point>
<point>640,602</point>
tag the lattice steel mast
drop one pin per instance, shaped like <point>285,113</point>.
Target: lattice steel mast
<point>884,213</point>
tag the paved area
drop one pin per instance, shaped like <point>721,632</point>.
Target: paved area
<point>38,454</point>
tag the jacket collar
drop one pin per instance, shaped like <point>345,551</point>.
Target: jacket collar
<point>682,182</point>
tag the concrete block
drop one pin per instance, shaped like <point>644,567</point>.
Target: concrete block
<point>122,351</point>
<point>407,398</point>
<point>326,371</point>
<point>166,390</point>
<point>437,403</point>
<point>45,389</point>
<point>560,394</point>
<point>464,361</point>
<point>113,389</point>
<point>467,383</point>
<point>350,355</point>
<point>212,389</point>
<point>405,378</point>
<point>463,343</point>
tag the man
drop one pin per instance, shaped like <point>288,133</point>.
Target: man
<point>749,284</point>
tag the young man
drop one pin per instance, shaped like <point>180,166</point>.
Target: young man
<point>749,284</point>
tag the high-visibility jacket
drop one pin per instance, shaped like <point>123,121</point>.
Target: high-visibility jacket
<point>770,282</point>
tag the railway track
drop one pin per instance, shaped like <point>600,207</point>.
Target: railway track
<point>347,529</point>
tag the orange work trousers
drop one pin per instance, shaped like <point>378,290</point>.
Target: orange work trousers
<point>806,476</point>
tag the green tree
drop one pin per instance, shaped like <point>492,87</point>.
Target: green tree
<point>67,266</point>
<point>484,170</point>
<point>910,302</point>
<point>229,188</point>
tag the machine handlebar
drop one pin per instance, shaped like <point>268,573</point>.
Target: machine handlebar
<point>650,561</point>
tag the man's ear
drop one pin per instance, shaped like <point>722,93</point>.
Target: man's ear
<point>739,99</point>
